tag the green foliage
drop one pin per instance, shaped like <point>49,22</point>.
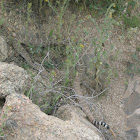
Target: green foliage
<point>1,132</point>
<point>100,64</point>
<point>39,6</point>
<point>1,22</point>
<point>130,17</point>
<point>59,11</point>
<point>134,66</point>
<point>2,5</point>
<point>29,11</point>
<point>51,106</point>
<point>36,50</point>
<point>122,7</point>
<point>132,21</point>
<point>102,5</point>
<point>73,52</point>
<point>48,64</point>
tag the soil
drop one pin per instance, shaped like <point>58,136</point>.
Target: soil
<point>109,107</point>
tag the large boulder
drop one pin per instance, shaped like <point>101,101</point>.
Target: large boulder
<point>13,79</point>
<point>23,120</point>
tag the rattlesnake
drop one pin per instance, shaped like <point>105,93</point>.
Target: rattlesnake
<point>82,102</point>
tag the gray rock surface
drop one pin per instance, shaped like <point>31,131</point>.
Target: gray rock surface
<point>24,121</point>
<point>13,79</point>
<point>132,103</point>
<point>132,108</point>
<point>134,119</point>
<point>132,134</point>
<point>3,49</point>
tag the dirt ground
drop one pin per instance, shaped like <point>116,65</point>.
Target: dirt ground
<point>110,106</point>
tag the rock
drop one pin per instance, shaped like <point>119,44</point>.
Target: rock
<point>134,119</point>
<point>71,113</point>
<point>132,134</point>
<point>13,79</point>
<point>24,121</point>
<point>3,49</point>
<point>132,103</point>
<point>132,96</point>
<point>132,86</point>
<point>132,108</point>
<point>137,87</point>
<point>138,128</point>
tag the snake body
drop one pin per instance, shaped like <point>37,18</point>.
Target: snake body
<point>82,102</point>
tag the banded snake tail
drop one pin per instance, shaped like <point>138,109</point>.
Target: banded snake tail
<point>85,107</point>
